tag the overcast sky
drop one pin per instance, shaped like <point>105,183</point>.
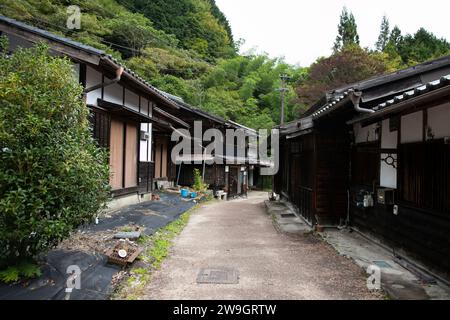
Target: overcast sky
<point>301,31</point>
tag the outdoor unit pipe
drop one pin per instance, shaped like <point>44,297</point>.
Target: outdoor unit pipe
<point>355,97</point>
<point>119,73</point>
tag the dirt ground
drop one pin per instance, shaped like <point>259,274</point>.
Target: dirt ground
<point>240,235</point>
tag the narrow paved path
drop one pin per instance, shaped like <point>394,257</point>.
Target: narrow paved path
<point>239,234</point>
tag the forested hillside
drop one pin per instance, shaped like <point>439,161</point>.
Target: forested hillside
<point>186,48</point>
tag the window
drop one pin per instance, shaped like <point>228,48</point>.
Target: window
<point>424,175</point>
<point>100,122</point>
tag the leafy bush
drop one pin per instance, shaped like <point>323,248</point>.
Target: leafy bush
<point>25,269</point>
<point>53,177</point>
<point>199,185</point>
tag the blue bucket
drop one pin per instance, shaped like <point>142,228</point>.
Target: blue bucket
<point>184,193</point>
<point>193,195</point>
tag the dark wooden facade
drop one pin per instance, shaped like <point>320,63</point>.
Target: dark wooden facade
<point>229,178</point>
<point>421,226</point>
<point>101,129</point>
<point>403,150</point>
<point>314,174</point>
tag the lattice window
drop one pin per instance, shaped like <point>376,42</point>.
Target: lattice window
<point>424,175</point>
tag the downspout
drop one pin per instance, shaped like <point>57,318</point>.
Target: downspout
<point>108,82</point>
<point>355,97</point>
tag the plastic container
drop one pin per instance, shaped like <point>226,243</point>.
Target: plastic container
<point>193,195</point>
<point>184,193</point>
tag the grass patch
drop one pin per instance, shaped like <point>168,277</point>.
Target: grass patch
<point>162,240</point>
<point>126,229</point>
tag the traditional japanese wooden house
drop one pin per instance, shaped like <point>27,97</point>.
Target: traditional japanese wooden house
<point>407,173</point>
<point>375,156</point>
<point>122,108</point>
<point>233,174</point>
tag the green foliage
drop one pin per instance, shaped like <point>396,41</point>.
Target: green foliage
<point>185,47</point>
<point>383,38</point>
<point>134,31</point>
<point>198,24</point>
<point>24,269</point>
<point>9,275</point>
<point>162,240</point>
<point>53,177</point>
<point>421,46</point>
<point>199,185</point>
<point>347,66</point>
<point>347,31</point>
<point>246,90</point>
<point>403,51</point>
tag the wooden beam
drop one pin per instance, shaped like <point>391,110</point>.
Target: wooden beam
<point>172,117</point>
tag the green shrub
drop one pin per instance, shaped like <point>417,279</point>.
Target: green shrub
<point>25,269</point>
<point>199,185</point>
<point>53,177</point>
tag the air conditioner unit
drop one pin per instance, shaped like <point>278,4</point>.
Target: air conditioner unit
<point>145,136</point>
<point>386,196</point>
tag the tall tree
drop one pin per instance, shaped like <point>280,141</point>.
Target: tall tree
<point>347,66</point>
<point>383,38</point>
<point>396,36</point>
<point>347,31</point>
<point>422,46</point>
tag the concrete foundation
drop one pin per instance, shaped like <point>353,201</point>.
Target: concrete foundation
<point>124,201</point>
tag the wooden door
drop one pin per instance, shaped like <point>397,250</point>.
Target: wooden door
<point>116,154</point>
<point>131,156</point>
<point>161,158</point>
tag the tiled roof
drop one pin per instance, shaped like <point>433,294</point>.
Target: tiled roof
<point>430,86</point>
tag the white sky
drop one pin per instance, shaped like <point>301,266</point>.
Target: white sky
<point>302,31</point>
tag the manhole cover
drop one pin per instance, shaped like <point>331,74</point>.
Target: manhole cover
<point>382,264</point>
<point>218,276</point>
<point>288,215</point>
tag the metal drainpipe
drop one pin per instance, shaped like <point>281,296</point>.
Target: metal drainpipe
<point>119,73</point>
<point>355,97</point>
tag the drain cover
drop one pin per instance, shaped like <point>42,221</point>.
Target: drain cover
<point>218,276</point>
<point>288,215</point>
<point>382,264</point>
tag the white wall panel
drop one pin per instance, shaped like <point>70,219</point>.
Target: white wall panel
<point>439,121</point>
<point>144,106</point>
<point>113,93</point>
<point>411,126</point>
<point>131,100</point>
<point>388,174</point>
<point>93,77</point>
<point>365,134</point>
<point>388,138</point>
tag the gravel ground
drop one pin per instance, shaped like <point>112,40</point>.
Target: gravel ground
<point>240,235</point>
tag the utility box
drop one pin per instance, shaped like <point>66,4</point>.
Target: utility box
<point>386,196</point>
<point>145,136</point>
